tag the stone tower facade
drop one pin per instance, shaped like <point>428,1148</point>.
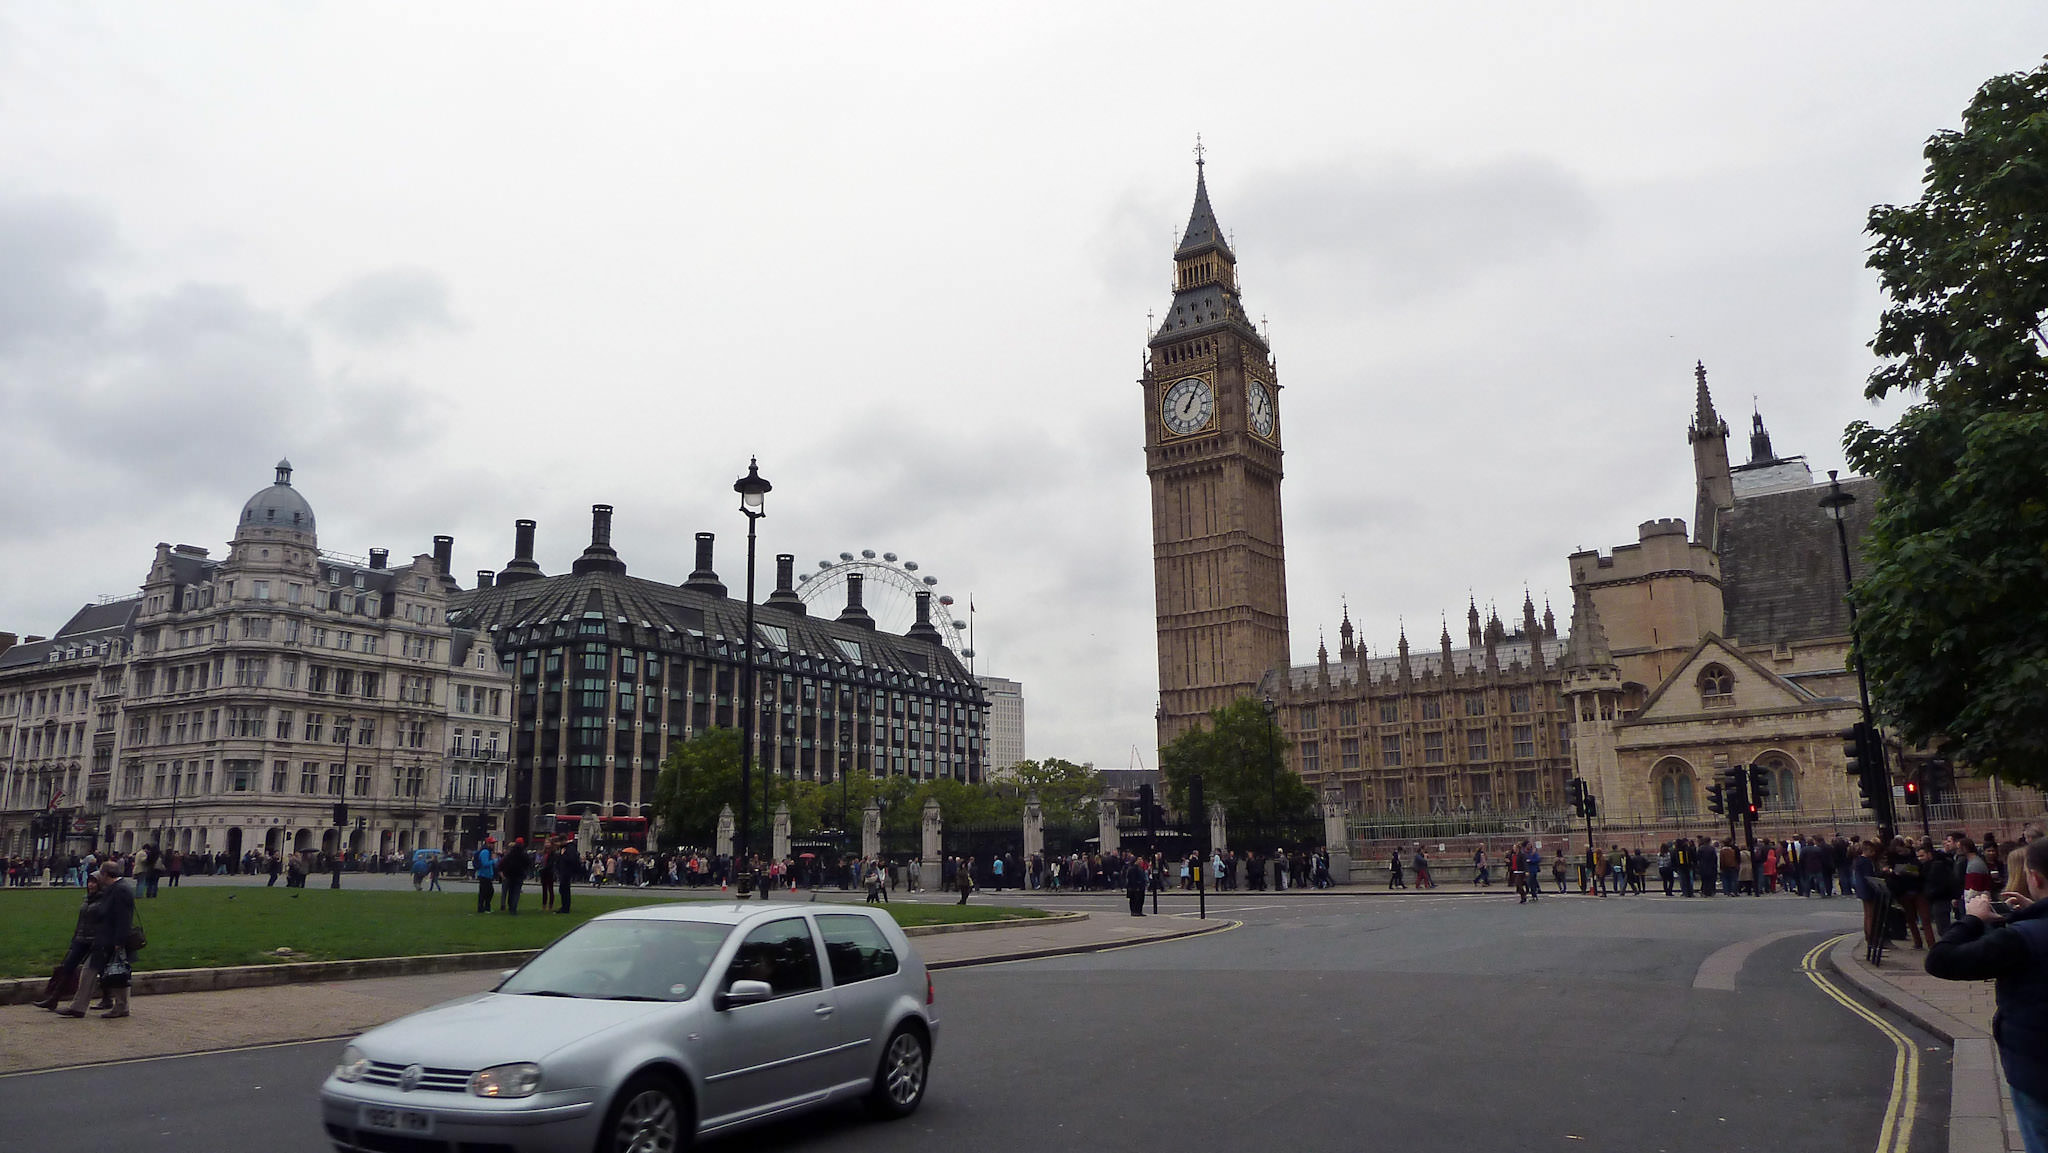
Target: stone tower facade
<point>1212,451</point>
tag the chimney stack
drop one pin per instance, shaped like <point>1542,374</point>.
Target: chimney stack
<point>380,558</point>
<point>521,566</point>
<point>924,630</point>
<point>600,557</point>
<point>444,561</point>
<point>703,577</point>
<point>854,614</point>
<point>784,596</point>
<point>485,578</point>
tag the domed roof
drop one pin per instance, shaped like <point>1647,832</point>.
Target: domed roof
<point>279,506</point>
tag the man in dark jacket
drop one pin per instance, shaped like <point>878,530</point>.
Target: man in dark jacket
<point>568,862</point>
<point>512,870</point>
<point>2014,952</point>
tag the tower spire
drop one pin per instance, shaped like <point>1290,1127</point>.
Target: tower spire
<point>1759,437</point>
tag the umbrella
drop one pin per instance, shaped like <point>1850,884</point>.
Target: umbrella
<point>630,849</point>
<point>807,856</point>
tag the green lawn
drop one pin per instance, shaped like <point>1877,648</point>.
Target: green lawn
<point>205,926</point>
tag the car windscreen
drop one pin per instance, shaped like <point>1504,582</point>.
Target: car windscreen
<point>629,960</point>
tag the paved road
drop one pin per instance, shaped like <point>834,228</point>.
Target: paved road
<point>1326,1022</point>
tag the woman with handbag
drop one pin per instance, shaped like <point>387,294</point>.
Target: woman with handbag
<point>64,980</point>
<point>112,918</point>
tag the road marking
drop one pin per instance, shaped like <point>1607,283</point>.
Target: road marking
<point>1897,1130</point>
<point>1221,927</point>
<point>178,1056</point>
<point>1719,969</point>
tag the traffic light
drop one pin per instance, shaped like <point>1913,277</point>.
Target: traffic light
<point>1717,801</point>
<point>340,815</point>
<point>1864,753</point>
<point>1592,805</point>
<point>1759,787</point>
<point>1933,775</point>
<point>1735,787</point>
<point>1856,750</point>
<point>1146,808</point>
<point>1913,788</point>
<point>1576,790</point>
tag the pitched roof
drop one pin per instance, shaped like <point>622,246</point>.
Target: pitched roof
<point>1781,564</point>
<point>662,611</point>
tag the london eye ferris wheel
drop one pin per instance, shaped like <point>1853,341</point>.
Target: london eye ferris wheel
<point>889,588</point>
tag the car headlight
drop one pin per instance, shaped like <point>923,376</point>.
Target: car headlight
<point>518,1080</point>
<point>353,1064</point>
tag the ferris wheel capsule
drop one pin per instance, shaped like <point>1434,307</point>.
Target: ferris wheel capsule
<point>911,565</point>
<point>890,557</point>
<point>865,554</point>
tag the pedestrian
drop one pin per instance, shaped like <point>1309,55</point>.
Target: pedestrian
<point>1134,884</point>
<point>1868,885</point>
<point>1556,864</point>
<point>964,880</point>
<point>107,960</point>
<point>486,871</point>
<point>1532,864</point>
<point>64,978</point>
<point>514,869</point>
<point>567,862</point>
<point>1394,879</point>
<point>1481,872</point>
<point>274,866</point>
<point>2010,946</point>
<point>544,868</point>
<point>1422,877</point>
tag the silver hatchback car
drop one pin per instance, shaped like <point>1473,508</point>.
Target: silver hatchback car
<point>645,1028</point>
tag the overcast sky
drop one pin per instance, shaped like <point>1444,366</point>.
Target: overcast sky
<point>470,263</point>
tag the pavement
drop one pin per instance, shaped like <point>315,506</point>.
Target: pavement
<point>1981,1118</point>
<point>245,1018</point>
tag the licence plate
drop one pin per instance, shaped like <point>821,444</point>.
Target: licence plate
<point>395,1120</point>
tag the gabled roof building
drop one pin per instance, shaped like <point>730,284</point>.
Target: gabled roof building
<point>610,669</point>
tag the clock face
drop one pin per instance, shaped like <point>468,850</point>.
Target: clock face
<point>1259,408</point>
<point>1188,407</point>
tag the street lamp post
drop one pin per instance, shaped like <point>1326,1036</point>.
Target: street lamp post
<point>1837,503</point>
<point>753,490</point>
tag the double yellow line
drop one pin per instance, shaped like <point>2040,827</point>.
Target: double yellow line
<point>1897,1130</point>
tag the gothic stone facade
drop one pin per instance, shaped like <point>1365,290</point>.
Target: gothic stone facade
<point>1212,451</point>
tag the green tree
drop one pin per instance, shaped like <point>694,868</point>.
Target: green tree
<point>699,777</point>
<point>1953,601</point>
<point>1067,792</point>
<point>1242,759</point>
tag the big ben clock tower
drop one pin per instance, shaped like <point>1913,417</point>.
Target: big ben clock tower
<point>1212,450</point>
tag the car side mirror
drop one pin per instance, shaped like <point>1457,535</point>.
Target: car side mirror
<point>743,993</point>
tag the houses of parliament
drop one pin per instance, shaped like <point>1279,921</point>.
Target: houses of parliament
<point>1716,640</point>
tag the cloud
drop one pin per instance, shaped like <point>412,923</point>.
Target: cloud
<point>1396,229</point>
<point>48,250</point>
<point>390,305</point>
<point>158,411</point>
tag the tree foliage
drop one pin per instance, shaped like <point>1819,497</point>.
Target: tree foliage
<point>702,775</point>
<point>1954,598</point>
<point>698,778</point>
<point>1242,759</point>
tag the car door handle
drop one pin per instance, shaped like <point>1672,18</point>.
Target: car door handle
<point>823,1011</point>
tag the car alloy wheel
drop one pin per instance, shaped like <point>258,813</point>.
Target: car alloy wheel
<point>900,1085</point>
<point>647,1120</point>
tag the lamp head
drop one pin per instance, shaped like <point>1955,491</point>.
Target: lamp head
<point>753,489</point>
<point>1836,501</point>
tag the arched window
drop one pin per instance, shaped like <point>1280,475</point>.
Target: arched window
<point>1675,789</point>
<point>1783,778</point>
<point>1717,686</point>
